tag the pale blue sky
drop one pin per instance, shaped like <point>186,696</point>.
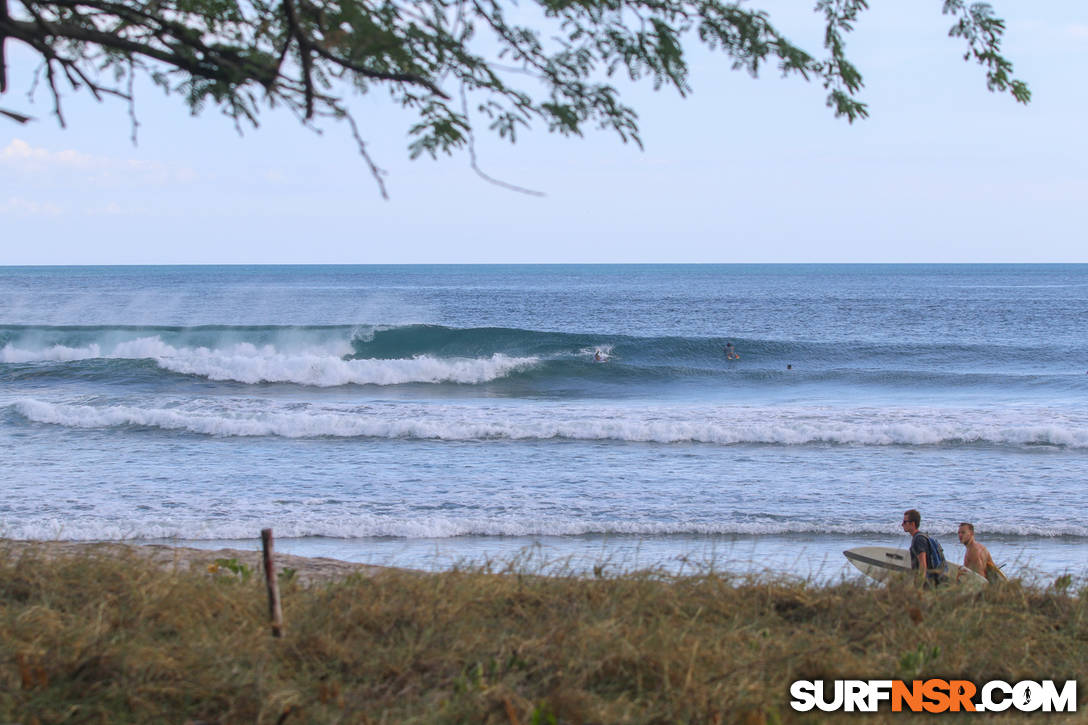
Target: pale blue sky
<point>742,171</point>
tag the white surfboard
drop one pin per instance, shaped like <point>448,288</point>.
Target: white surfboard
<point>881,562</point>
<point>963,575</point>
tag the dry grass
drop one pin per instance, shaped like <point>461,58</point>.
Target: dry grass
<point>118,639</point>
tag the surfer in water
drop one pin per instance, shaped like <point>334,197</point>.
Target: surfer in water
<point>977,557</point>
<point>597,356</point>
<point>730,352</point>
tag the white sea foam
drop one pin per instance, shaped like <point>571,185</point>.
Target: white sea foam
<point>54,353</point>
<point>322,370</point>
<point>302,523</point>
<point>322,366</point>
<point>709,425</point>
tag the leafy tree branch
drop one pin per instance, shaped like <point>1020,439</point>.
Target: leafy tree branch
<point>552,62</point>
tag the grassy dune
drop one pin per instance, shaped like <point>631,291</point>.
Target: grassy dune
<point>118,638</point>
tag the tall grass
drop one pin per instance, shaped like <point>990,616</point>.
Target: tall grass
<point>118,639</point>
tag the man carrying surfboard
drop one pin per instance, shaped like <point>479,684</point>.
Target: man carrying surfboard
<point>977,557</point>
<point>925,553</point>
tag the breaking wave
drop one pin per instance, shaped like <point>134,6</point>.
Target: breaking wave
<point>328,356</point>
<point>246,362</point>
<point>712,425</point>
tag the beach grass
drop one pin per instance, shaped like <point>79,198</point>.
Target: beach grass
<point>117,638</point>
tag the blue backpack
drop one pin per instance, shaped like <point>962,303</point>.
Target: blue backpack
<point>934,553</point>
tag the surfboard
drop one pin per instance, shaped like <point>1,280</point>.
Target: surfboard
<point>994,574</point>
<point>881,562</point>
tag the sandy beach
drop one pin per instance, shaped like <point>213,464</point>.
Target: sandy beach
<point>308,570</point>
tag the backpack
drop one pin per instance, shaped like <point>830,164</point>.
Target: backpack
<point>934,553</point>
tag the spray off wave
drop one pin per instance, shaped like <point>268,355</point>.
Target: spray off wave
<point>246,362</point>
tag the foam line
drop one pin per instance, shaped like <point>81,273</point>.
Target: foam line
<point>301,524</point>
<point>542,422</point>
<point>248,363</point>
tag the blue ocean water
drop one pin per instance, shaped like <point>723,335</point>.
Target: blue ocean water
<point>422,415</point>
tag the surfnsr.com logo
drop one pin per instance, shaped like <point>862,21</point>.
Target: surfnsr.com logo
<point>933,695</point>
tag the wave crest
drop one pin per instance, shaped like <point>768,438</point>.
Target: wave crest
<point>245,362</point>
<point>542,422</point>
<point>246,366</point>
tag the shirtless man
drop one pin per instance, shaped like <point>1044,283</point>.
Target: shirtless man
<point>977,557</point>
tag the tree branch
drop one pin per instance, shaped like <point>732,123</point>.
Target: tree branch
<point>376,172</point>
<point>476,167</point>
<point>17,117</point>
<point>4,17</point>
<point>34,36</point>
<point>305,48</point>
<point>379,75</point>
<point>216,52</point>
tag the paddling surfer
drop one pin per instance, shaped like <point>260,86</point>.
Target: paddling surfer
<point>730,352</point>
<point>977,557</point>
<point>929,571</point>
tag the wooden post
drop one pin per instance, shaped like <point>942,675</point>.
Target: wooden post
<point>275,612</point>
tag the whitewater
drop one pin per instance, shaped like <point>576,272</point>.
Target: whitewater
<point>424,415</point>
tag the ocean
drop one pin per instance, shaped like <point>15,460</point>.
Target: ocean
<point>433,416</point>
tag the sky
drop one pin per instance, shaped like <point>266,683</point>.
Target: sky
<point>743,170</point>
